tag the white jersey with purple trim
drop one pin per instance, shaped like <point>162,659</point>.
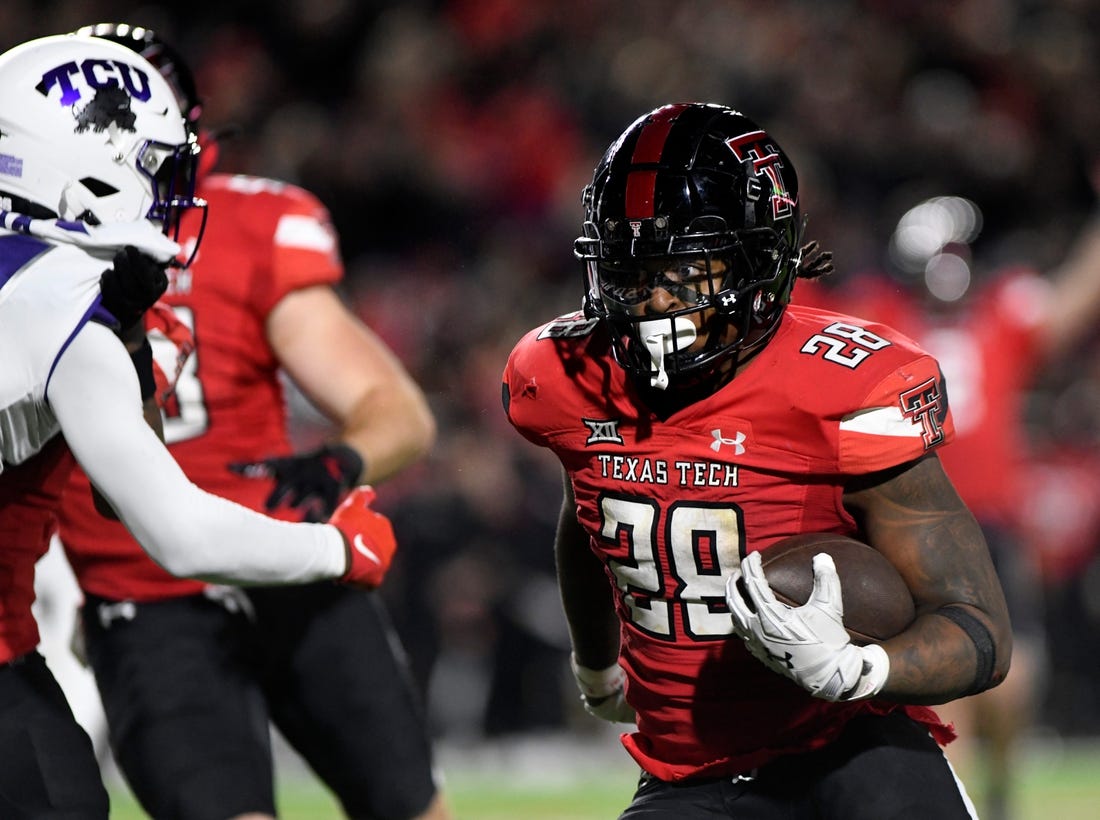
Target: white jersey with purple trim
<point>49,287</point>
<point>47,292</point>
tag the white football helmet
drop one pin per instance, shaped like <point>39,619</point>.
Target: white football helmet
<point>89,130</point>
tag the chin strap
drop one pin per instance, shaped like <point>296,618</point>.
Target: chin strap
<point>663,337</point>
<point>142,234</point>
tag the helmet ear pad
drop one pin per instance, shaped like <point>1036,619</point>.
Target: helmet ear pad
<point>695,181</point>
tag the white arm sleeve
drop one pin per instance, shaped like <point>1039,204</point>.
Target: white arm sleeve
<point>95,396</point>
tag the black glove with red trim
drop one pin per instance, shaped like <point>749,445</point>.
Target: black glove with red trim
<point>313,482</point>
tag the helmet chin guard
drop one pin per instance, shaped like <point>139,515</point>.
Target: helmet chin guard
<point>664,337</point>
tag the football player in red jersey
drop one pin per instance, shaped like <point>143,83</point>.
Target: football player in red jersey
<point>991,331</point>
<point>318,660</point>
<point>699,419</point>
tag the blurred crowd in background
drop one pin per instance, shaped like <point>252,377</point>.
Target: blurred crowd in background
<point>451,140</point>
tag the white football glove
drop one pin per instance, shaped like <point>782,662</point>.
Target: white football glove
<point>807,644</point>
<point>602,691</point>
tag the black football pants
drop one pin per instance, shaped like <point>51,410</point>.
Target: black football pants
<point>880,768</point>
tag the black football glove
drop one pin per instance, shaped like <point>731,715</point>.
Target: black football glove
<point>312,482</point>
<point>132,284</point>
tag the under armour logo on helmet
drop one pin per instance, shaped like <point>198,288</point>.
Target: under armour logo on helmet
<point>737,442</point>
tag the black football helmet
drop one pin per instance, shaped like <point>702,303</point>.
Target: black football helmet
<point>163,57</point>
<point>699,200</point>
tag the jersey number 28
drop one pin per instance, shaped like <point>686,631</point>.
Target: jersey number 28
<point>702,545</point>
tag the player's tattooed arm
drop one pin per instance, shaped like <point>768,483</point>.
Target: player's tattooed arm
<point>961,641</point>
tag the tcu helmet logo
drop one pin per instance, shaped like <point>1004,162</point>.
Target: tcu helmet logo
<point>926,405</point>
<point>113,84</point>
<point>754,147</point>
<point>109,105</point>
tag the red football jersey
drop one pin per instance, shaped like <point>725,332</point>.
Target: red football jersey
<point>263,240</point>
<point>672,506</point>
<point>29,496</point>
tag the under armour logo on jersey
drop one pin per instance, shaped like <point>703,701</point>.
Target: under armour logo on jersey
<point>737,442</point>
<point>603,431</point>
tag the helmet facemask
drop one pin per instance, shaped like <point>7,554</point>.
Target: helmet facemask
<point>173,174</point>
<point>731,300</point>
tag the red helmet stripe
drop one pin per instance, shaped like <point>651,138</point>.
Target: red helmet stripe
<point>651,142</point>
<point>640,185</point>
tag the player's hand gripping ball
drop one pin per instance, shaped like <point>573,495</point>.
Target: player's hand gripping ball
<point>877,602</point>
<point>798,629</point>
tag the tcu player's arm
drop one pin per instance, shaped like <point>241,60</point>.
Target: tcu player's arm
<point>133,341</point>
<point>586,592</point>
<point>961,641</point>
<point>353,378</point>
<point>94,395</point>
<point>153,417</point>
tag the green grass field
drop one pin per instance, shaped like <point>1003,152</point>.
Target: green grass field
<point>1056,782</point>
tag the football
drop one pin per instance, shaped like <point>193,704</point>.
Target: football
<point>877,602</point>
